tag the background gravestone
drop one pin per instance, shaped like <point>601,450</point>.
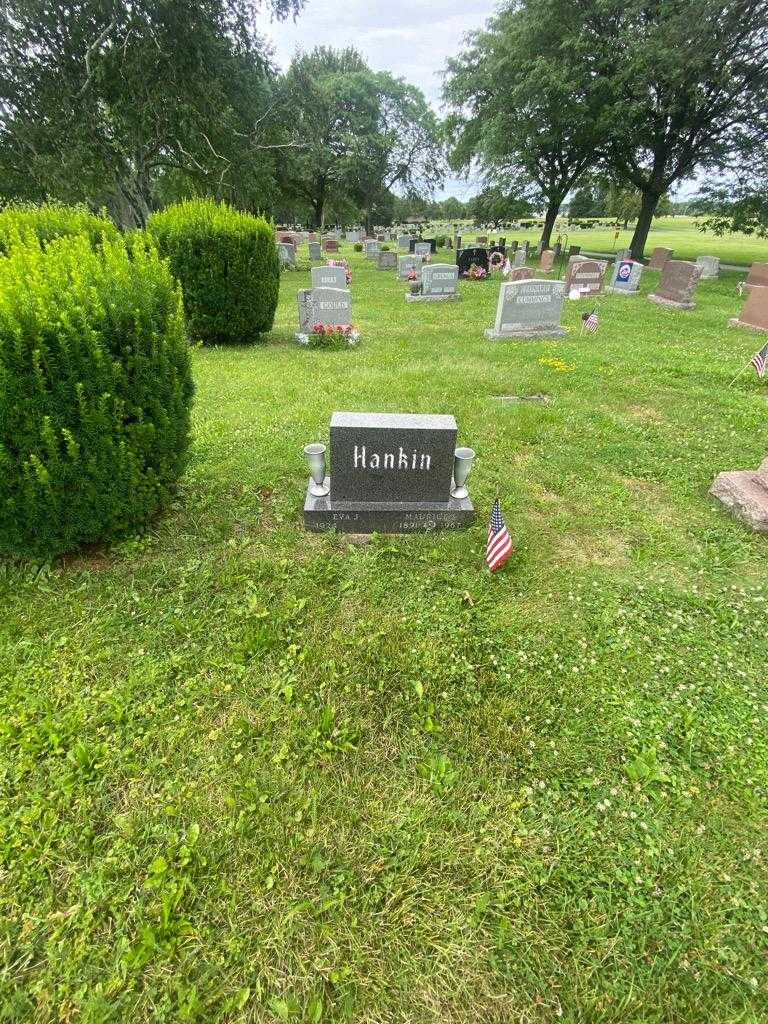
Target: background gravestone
<point>403,241</point>
<point>755,312</point>
<point>330,245</point>
<point>371,248</point>
<point>287,253</point>
<point>390,473</point>
<point>467,257</point>
<point>386,260</point>
<point>710,267</point>
<point>431,242</point>
<point>521,274</point>
<point>421,248</point>
<point>625,277</point>
<point>758,274</point>
<point>676,287</point>
<point>547,261</point>
<point>584,277</point>
<point>659,257</point>
<point>438,281</point>
<point>329,277</point>
<point>529,309</point>
<point>407,264</point>
<point>315,251</point>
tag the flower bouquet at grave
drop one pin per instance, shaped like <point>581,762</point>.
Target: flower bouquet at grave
<point>335,336</point>
<point>344,264</point>
<point>476,273</point>
<point>414,283</point>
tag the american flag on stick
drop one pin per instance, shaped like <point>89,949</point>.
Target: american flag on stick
<point>590,322</point>
<point>759,360</point>
<point>499,545</point>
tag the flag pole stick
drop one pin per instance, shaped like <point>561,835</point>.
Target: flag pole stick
<point>740,373</point>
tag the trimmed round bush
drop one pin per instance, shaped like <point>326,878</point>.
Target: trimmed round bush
<point>52,220</point>
<point>95,392</point>
<point>228,267</point>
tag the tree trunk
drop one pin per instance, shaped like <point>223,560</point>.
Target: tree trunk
<point>648,206</point>
<point>549,222</point>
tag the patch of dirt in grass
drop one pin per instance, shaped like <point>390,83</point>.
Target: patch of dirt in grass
<point>92,558</point>
<point>646,414</point>
<point>605,548</point>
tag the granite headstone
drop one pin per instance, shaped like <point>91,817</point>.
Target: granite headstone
<point>390,473</point>
<point>677,285</point>
<point>529,309</point>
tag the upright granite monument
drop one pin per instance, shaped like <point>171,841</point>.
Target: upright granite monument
<point>329,277</point>
<point>584,277</point>
<point>324,306</point>
<point>710,267</point>
<point>529,309</point>
<point>754,315</point>
<point>677,285</point>
<point>625,279</point>
<point>439,281</point>
<point>390,473</point>
<point>659,257</point>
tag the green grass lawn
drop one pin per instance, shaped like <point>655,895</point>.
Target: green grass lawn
<point>255,774</point>
<point>678,233</point>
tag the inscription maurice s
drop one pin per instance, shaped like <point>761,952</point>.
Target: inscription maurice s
<point>400,460</point>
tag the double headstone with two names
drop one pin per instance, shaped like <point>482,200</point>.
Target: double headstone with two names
<point>677,285</point>
<point>529,309</point>
<point>390,473</point>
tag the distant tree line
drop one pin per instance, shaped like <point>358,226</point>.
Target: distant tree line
<point>602,107</point>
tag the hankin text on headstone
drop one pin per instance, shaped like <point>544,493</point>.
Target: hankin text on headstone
<point>389,473</point>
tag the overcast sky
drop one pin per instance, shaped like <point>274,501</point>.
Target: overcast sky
<point>410,38</point>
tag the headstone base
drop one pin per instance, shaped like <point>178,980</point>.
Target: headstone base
<point>430,298</point>
<point>653,297</point>
<point>321,515</point>
<point>526,333</point>
<point>735,322</point>
<point>622,291</point>
<point>745,494</point>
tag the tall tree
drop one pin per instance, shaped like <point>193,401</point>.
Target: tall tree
<point>360,134</point>
<point>689,86</point>
<point>520,109</point>
<point>100,100</point>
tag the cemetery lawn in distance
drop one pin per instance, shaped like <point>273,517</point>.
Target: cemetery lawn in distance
<point>254,774</point>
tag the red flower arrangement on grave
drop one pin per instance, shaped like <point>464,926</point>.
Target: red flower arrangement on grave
<point>330,336</point>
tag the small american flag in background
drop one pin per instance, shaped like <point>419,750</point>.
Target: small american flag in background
<point>759,360</point>
<point>590,322</point>
<point>499,545</point>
